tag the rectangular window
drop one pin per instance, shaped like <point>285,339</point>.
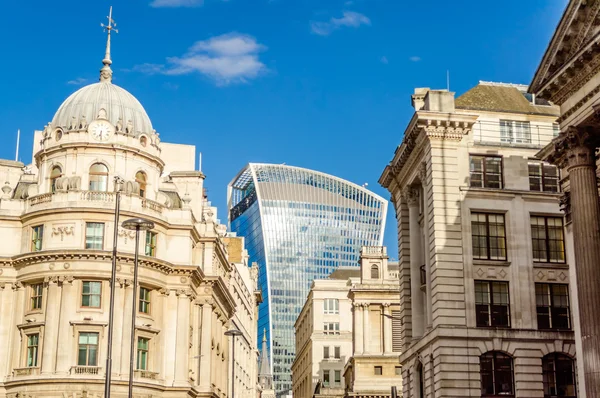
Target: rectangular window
<point>398,370</point>
<point>552,302</point>
<point>331,328</point>
<point>144,300</point>
<point>514,132</point>
<point>492,304</point>
<point>336,352</point>
<point>94,235</point>
<point>331,306</point>
<point>37,292</point>
<point>326,380</point>
<point>91,294</point>
<point>547,235</point>
<point>338,378</point>
<point>37,237</point>
<point>88,349</point>
<point>555,129</point>
<point>543,177</point>
<point>489,236</point>
<point>150,249</point>
<point>378,370</point>
<point>326,352</point>
<point>33,341</point>
<point>142,353</point>
<point>486,171</point>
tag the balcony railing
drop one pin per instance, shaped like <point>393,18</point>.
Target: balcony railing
<point>98,197</point>
<point>39,199</point>
<point>374,250</point>
<point>145,374</point>
<point>152,205</point>
<point>513,134</point>
<point>85,370</point>
<point>30,371</point>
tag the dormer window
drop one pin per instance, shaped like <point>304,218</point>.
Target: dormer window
<point>140,178</point>
<point>54,175</point>
<point>98,177</point>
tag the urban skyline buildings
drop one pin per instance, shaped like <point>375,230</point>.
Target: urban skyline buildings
<point>299,225</point>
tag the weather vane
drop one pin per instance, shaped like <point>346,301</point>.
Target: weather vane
<point>106,72</point>
<point>111,23</point>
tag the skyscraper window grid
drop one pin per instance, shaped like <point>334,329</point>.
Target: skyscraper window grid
<point>299,225</point>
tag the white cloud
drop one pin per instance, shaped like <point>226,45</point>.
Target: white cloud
<point>415,58</point>
<point>176,3</point>
<point>349,19</point>
<point>226,59</point>
<point>384,60</point>
<point>78,82</point>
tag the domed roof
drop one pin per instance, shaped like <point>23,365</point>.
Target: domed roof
<point>118,103</point>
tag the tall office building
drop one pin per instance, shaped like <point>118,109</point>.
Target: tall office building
<point>299,225</point>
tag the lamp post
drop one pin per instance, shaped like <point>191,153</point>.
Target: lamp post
<point>137,225</point>
<point>233,333</point>
<point>113,277</point>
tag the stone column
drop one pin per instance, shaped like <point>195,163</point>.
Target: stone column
<point>6,326</point>
<point>16,337</point>
<point>125,330</point>
<point>411,196</point>
<point>183,333</point>
<point>387,329</point>
<point>68,307</point>
<point>118,366</point>
<point>170,320</point>
<point>425,251</point>
<point>358,330</point>
<point>366,328</point>
<point>204,378</point>
<point>50,346</point>
<point>576,151</point>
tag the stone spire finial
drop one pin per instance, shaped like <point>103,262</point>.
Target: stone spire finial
<point>106,71</point>
<point>264,335</point>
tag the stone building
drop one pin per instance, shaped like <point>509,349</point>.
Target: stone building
<point>569,76</point>
<point>56,228</point>
<point>487,298</point>
<point>345,341</point>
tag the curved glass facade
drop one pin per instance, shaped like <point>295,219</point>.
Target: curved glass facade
<point>299,225</point>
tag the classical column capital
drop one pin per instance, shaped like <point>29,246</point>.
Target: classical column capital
<point>411,196</point>
<point>575,147</point>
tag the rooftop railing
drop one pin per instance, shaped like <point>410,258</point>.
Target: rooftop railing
<point>511,133</point>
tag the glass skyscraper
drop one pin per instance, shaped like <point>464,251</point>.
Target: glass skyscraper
<point>299,225</point>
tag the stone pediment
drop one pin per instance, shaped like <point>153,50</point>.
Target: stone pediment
<point>577,30</point>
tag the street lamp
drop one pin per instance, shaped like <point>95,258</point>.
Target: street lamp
<point>137,225</point>
<point>233,333</point>
<point>113,280</point>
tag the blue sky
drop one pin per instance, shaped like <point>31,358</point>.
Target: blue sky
<point>322,84</point>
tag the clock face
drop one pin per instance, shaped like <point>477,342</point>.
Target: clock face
<point>101,130</point>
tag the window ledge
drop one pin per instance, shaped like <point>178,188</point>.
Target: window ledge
<point>497,263</point>
<point>551,265</point>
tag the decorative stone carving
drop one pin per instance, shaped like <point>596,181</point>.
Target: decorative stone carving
<point>124,282</point>
<point>17,285</point>
<point>74,183</point>
<point>423,173</point>
<point>126,234</point>
<point>129,127</point>
<point>62,230</point>
<point>102,113</point>
<point>411,196</point>
<point>61,184</point>
<point>575,147</point>
<point>119,125</point>
<point>6,190</point>
<point>73,124</point>
<point>83,123</point>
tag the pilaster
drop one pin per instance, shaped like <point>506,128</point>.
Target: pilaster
<point>183,332</point>
<point>411,196</point>
<point>68,306</point>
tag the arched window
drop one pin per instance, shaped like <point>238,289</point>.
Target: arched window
<point>496,375</point>
<point>54,174</point>
<point>140,178</point>
<point>98,177</point>
<point>559,376</point>
<point>421,387</point>
<point>374,271</point>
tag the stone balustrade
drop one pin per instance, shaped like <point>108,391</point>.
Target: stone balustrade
<point>29,371</point>
<point>373,250</point>
<point>85,370</point>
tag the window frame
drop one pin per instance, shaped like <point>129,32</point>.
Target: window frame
<point>36,298</point>
<point>511,126</point>
<point>87,345</point>
<point>145,300</point>
<point>331,328</point>
<point>142,351</point>
<point>326,352</point>
<point>91,246</point>
<point>32,352</point>
<point>488,237</point>
<point>552,309</point>
<point>375,271</point>
<point>337,352</point>
<point>53,177</point>
<point>490,305</point>
<point>142,182</point>
<point>90,294</point>
<point>484,173</point>
<point>554,376</point>
<point>494,357</point>
<point>150,245</point>
<point>37,236</point>
<point>547,240</point>
<point>326,378</point>
<point>93,175</point>
<point>378,369</point>
<point>337,378</point>
<point>543,176</point>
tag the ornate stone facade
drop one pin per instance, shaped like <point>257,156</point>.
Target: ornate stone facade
<point>467,208</point>
<point>57,227</point>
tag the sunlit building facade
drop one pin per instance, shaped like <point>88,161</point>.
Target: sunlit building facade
<point>300,225</point>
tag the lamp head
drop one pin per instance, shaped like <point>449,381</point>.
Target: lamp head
<point>138,224</point>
